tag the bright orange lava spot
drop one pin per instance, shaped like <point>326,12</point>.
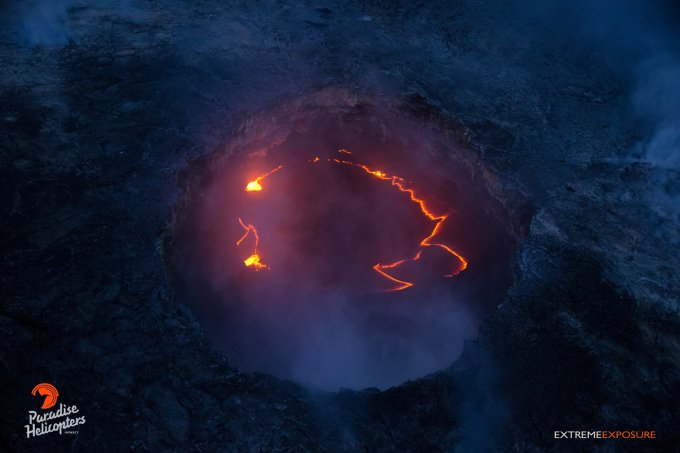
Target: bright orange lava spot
<point>254,259</point>
<point>255,186</point>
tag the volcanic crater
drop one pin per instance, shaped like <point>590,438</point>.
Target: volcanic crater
<point>343,240</point>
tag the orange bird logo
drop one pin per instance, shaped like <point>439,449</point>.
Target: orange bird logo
<point>49,392</point>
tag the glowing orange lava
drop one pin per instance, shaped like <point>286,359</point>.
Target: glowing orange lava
<point>255,186</point>
<point>254,259</point>
<point>426,242</point>
<point>402,283</point>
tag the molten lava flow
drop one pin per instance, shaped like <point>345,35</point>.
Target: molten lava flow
<point>254,259</point>
<point>255,262</point>
<point>255,186</point>
<point>402,284</point>
<point>400,184</point>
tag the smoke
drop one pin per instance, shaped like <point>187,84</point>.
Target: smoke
<point>483,413</point>
<point>338,340</point>
<point>639,41</point>
<point>45,22</point>
<point>657,100</point>
<point>340,352</point>
<point>60,22</point>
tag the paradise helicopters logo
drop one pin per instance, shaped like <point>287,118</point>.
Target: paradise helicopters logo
<point>62,419</point>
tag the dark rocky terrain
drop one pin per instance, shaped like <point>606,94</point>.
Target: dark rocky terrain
<point>102,110</point>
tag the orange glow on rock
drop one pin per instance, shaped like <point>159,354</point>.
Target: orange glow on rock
<point>255,186</point>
